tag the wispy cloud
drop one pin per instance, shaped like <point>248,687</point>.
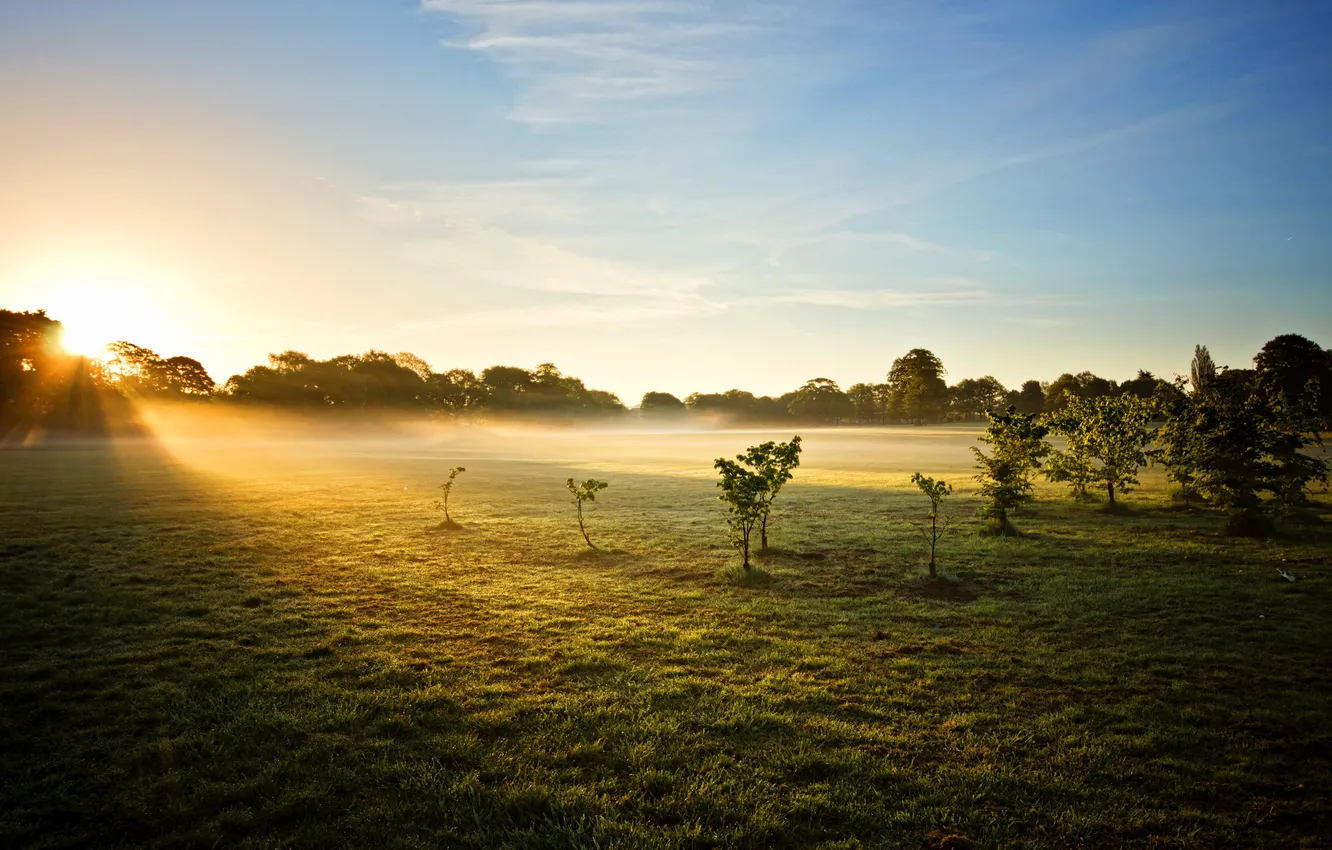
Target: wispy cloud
<point>586,60</point>
<point>573,314</point>
<point>877,299</point>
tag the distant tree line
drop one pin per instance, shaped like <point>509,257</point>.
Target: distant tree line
<point>40,384</point>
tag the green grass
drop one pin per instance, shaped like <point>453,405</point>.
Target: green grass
<point>262,645</point>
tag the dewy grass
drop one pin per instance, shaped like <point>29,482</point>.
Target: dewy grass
<point>211,650</point>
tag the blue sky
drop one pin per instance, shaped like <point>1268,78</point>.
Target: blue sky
<point>674,195</point>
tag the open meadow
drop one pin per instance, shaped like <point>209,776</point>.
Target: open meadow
<point>232,637</point>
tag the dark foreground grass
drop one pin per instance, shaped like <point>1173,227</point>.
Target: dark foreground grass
<point>301,657</point>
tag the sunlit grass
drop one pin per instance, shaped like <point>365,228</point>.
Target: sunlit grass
<point>260,644</point>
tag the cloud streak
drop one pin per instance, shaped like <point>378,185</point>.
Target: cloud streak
<point>589,60</point>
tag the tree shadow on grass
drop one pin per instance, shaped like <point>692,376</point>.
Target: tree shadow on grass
<point>162,655</point>
<point>941,588</point>
<point>754,577</point>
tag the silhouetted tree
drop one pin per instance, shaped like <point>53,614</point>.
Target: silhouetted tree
<point>457,391</point>
<point>661,404</point>
<point>1295,376</point>
<point>1029,399</point>
<point>1228,442</point>
<point>447,489</point>
<point>30,368</point>
<point>820,400</point>
<point>738,406</point>
<point>971,397</point>
<point>1201,369</point>
<point>1143,385</point>
<point>1083,385</point>
<point>141,372</point>
<point>864,400</point>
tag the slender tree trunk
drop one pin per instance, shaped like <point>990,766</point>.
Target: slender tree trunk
<point>1110,488</point>
<point>763,533</point>
<point>934,538</point>
<point>447,520</point>
<point>581,528</point>
<point>746,545</point>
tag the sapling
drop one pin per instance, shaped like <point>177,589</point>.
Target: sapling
<point>747,496</point>
<point>774,462</point>
<point>936,523</point>
<point>1108,441</point>
<point>585,492</point>
<point>1017,442</point>
<point>447,487</point>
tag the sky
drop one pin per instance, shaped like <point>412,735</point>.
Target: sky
<point>672,195</point>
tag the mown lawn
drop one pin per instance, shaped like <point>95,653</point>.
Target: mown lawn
<point>264,644</point>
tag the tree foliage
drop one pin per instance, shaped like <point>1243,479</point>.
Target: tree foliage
<point>1231,443</point>
<point>745,493</point>
<point>1017,447</point>
<point>447,488</point>
<point>917,392</point>
<point>821,400</point>
<point>864,400</point>
<point>661,404</point>
<point>585,492</point>
<point>971,397</point>
<point>1295,375</point>
<point>1106,443</point>
<point>775,463</point>
<point>1201,369</point>
<point>1029,399</point>
<point>141,372</point>
<point>936,523</point>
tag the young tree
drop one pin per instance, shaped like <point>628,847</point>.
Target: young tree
<point>936,523</point>
<point>1230,444</point>
<point>775,463</point>
<point>447,487</point>
<point>1107,442</point>
<point>1074,464</point>
<point>1017,443</point>
<point>585,492</point>
<point>746,496</point>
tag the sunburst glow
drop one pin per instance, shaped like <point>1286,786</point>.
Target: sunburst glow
<point>97,307</point>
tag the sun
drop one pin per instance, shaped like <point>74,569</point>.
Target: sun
<point>96,309</point>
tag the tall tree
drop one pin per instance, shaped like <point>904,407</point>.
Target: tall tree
<point>1029,399</point>
<point>661,404</point>
<point>1201,369</point>
<point>864,400</point>
<point>916,388</point>
<point>1295,375</point>
<point>821,400</point>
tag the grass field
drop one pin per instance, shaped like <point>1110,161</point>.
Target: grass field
<point>261,643</point>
